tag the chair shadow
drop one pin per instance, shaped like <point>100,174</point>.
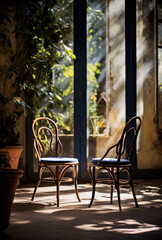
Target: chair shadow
<point>74,220</point>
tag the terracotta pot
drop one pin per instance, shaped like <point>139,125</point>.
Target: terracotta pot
<point>9,179</point>
<point>15,152</point>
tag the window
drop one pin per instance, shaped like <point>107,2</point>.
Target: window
<point>159,63</point>
<point>96,88</point>
<point>105,74</point>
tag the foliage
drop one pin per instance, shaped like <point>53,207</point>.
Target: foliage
<point>41,41</point>
<point>40,67</point>
<point>49,26</point>
<point>4,159</point>
<point>63,77</point>
<point>54,48</point>
<point>96,66</point>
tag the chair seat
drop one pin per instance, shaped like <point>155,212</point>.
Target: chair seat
<point>58,160</point>
<point>110,162</point>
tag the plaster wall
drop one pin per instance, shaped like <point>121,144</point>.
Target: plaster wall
<point>150,141</point>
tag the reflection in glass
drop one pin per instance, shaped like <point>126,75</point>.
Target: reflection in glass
<point>96,99</point>
<point>159,8</point>
<point>160,88</point>
<point>63,76</point>
<point>160,34</point>
<point>58,104</point>
<point>105,74</point>
<point>159,74</point>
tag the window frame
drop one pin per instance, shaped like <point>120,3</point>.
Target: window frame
<point>157,47</point>
<point>80,81</point>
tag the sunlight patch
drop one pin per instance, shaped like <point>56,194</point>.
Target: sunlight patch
<point>92,227</point>
<point>128,226</point>
<point>66,218</point>
<point>157,200</point>
<point>136,227</point>
<point>22,222</point>
<point>44,211</point>
<point>144,202</point>
<point>142,229</point>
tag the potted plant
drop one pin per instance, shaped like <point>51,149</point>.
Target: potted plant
<point>10,112</point>
<point>9,179</point>
<point>8,135</point>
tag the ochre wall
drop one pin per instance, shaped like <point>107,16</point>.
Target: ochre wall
<point>150,141</point>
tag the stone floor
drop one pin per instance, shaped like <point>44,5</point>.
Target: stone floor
<point>42,220</point>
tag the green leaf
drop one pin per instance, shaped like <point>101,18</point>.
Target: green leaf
<point>58,97</point>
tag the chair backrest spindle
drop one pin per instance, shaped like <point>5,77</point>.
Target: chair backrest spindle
<point>127,142</point>
<point>46,137</point>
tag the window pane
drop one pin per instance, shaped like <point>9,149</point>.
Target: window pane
<point>160,88</point>
<point>159,8</point>
<point>96,66</point>
<point>160,34</point>
<point>106,74</point>
<point>59,103</point>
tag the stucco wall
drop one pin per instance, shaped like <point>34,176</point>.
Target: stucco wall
<point>150,142</point>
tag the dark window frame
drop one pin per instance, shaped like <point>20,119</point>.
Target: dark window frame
<point>80,85</point>
<point>157,47</point>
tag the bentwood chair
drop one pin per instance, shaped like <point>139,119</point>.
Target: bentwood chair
<point>119,168</point>
<point>48,147</point>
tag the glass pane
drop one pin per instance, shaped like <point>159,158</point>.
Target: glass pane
<point>159,8</point>
<point>105,74</point>
<point>58,103</point>
<point>160,88</point>
<point>63,73</point>
<point>96,75</point>
<point>160,34</point>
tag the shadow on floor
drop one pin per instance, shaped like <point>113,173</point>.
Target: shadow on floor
<point>42,220</point>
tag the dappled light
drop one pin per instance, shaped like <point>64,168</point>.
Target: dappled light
<point>127,226</point>
<point>41,219</point>
<point>22,222</point>
<point>148,94</point>
<point>50,70</point>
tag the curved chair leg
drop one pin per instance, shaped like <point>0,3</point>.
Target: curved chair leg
<point>75,182</point>
<point>35,189</point>
<point>40,171</point>
<point>134,195</point>
<point>132,187</point>
<point>111,195</point>
<point>93,186</point>
<point>57,186</point>
<point>58,194</point>
<point>37,185</point>
<point>113,182</point>
<point>118,193</point>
